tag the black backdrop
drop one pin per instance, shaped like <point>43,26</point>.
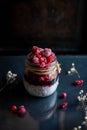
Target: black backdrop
<point>58,24</point>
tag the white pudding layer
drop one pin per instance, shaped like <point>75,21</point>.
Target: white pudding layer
<point>40,91</point>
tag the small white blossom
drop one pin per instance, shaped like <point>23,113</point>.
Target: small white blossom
<point>84,97</point>
<point>73,64</point>
<point>73,70</point>
<point>79,127</point>
<point>85,117</point>
<point>10,77</point>
<point>75,128</point>
<point>81,91</point>
<point>83,123</point>
<point>79,98</point>
<point>69,72</point>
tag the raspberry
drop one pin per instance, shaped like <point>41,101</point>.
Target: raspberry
<point>41,79</point>
<point>42,53</point>
<point>22,106</point>
<point>40,49</point>
<point>14,108</point>
<point>64,105</point>
<point>37,50</point>
<point>47,52</point>
<point>53,55</point>
<point>50,59</point>
<point>46,77</point>
<point>78,82</point>
<point>30,57</point>
<point>45,60</point>
<point>42,64</point>
<point>21,110</point>
<point>41,59</point>
<point>64,95</point>
<point>38,55</point>
<point>34,49</point>
<point>35,60</point>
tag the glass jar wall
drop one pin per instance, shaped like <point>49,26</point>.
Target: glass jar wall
<point>41,81</point>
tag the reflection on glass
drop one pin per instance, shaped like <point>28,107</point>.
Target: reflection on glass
<point>43,109</point>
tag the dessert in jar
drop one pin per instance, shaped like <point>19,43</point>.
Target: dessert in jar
<point>41,74</point>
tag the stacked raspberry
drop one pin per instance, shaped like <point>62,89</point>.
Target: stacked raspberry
<point>41,57</point>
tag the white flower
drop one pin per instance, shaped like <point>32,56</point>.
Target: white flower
<point>81,91</point>
<point>73,70</point>
<point>75,128</point>
<point>73,64</point>
<point>69,72</point>
<point>85,117</point>
<point>79,127</point>
<point>79,98</point>
<point>10,77</point>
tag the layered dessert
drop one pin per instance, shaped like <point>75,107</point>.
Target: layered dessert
<point>41,75</point>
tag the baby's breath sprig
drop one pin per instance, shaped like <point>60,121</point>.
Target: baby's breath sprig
<point>85,119</point>
<point>82,98</point>
<point>73,70</point>
<point>77,128</point>
<point>10,78</point>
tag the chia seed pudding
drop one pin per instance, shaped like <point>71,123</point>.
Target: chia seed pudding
<point>41,74</point>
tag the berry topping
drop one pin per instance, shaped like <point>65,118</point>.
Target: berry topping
<point>40,56</point>
<point>35,49</point>
<point>42,59</point>
<point>42,64</point>
<point>50,59</point>
<point>47,52</point>
<point>35,60</point>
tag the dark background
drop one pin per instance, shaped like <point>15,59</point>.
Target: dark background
<point>59,24</point>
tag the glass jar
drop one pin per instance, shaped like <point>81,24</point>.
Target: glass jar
<point>41,81</point>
